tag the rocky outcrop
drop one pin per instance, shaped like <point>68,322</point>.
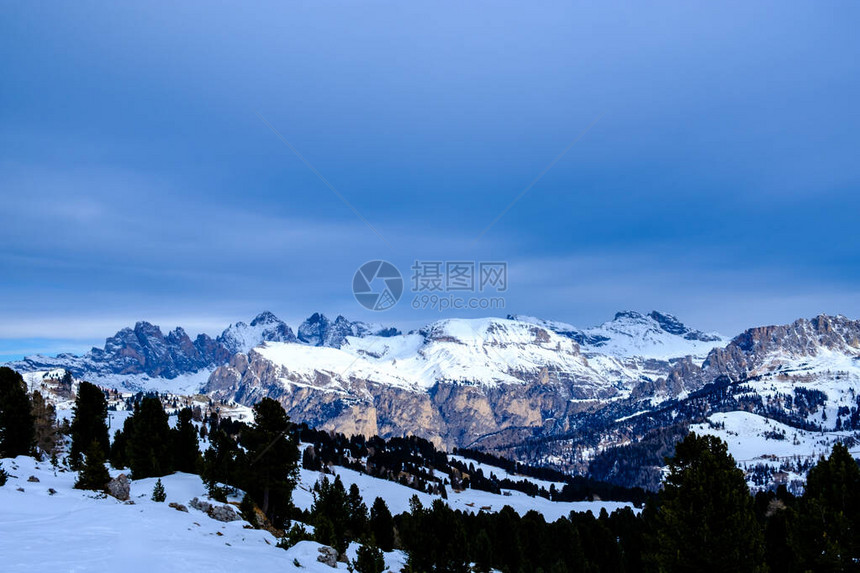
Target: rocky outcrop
<point>119,487</point>
<point>266,327</point>
<point>328,556</point>
<point>223,513</point>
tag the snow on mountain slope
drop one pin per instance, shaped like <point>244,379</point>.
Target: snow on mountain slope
<point>318,330</point>
<point>187,384</point>
<point>491,351</point>
<point>473,351</point>
<point>630,334</point>
<point>143,358</point>
<point>502,474</point>
<point>755,439</point>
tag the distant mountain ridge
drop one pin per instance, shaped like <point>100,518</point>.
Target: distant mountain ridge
<point>146,350</point>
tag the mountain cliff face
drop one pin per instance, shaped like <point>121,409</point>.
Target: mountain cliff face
<point>266,327</point>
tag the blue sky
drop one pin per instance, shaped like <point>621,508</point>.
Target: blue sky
<point>719,181</point>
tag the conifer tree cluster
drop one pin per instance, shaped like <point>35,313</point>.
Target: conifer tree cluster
<point>260,459</point>
<point>704,520</point>
<point>150,447</point>
<point>17,432</point>
<point>89,422</point>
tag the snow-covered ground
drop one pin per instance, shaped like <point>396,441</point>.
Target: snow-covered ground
<point>81,531</point>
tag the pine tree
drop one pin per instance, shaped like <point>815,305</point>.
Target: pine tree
<point>331,507</point>
<point>158,493</point>
<point>828,528</point>
<point>89,421</point>
<point>148,449</point>
<point>704,519</point>
<point>293,535</point>
<point>44,425</point>
<point>310,460</point>
<point>436,539</point>
<point>324,532</point>
<point>483,551</point>
<point>65,386</point>
<point>93,474</point>
<point>248,510</point>
<point>273,457</point>
<point>369,559</point>
<point>3,476</point>
<point>382,525</point>
<point>16,418</point>
<point>357,522</point>
<point>222,463</point>
<point>186,447</point>
<point>119,446</point>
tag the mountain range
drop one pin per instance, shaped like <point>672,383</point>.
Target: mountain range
<point>535,390</point>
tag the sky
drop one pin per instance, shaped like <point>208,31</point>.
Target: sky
<point>196,164</point>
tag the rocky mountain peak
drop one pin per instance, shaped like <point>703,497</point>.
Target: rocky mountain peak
<point>629,315</point>
<point>265,317</point>
<point>265,327</point>
<point>669,323</point>
<point>145,350</point>
<point>319,330</point>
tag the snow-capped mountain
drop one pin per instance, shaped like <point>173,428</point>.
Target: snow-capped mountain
<point>655,335</point>
<point>454,380</point>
